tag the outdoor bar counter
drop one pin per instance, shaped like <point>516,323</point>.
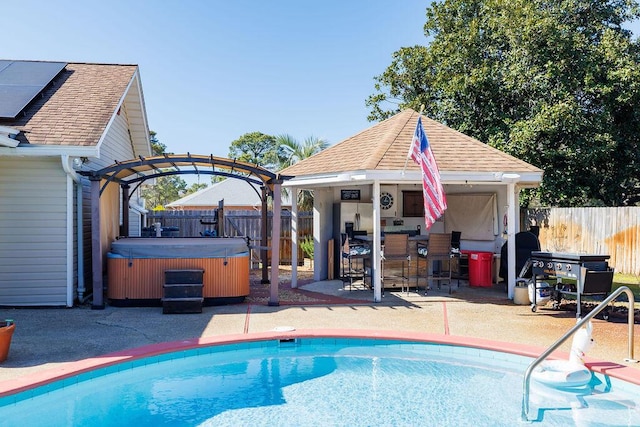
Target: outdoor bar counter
<point>136,267</point>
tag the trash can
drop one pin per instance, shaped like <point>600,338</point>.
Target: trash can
<point>480,269</point>
<point>521,294</point>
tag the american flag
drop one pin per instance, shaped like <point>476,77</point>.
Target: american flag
<point>435,201</point>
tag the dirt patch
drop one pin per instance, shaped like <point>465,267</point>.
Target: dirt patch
<point>260,292</point>
<point>617,312</point>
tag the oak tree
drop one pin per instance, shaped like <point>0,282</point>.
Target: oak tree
<point>554,83</point>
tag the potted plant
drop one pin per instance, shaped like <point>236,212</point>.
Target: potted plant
<point>307,247</point>
<point>6,332</point>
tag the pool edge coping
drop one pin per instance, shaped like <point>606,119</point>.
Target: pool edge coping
<point>70,369</point>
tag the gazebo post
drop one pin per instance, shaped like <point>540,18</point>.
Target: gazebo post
<point>294,237</point>
<point>275,245</point>
<point>377,246</point>
<point>96,245</point>
<point>512,219</point>
<point>263,237</point>
<point>124,231</point>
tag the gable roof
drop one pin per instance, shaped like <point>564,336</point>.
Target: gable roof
<point>78,104</point>
<point>384,147</point>
<point>234,192</point>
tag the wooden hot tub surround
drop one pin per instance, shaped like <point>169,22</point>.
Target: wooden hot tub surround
<point>136,268</point>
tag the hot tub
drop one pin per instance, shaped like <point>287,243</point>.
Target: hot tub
<point>136,266</point>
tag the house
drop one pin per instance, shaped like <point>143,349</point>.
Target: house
<point>56,119</point>
<point>236,194</point>
<point>371,169</point>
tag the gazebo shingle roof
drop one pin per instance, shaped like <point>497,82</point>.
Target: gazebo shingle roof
<point>384,147</point>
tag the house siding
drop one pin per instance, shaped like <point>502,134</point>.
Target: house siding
<point>94,106</point>
<point>33,232</point>
<point>117,145</point>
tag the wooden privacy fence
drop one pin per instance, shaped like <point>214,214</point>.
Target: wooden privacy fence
<point>243,223</point>
<point>609,231</point>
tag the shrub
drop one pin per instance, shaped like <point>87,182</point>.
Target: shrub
<point>306,244</point>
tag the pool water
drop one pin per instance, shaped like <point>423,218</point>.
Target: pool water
<point>319,381</point>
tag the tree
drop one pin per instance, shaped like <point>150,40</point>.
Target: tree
<point>556,84</point>
<point>291,151</point>
<point>195,187</point>
<point>256,148</point>
<point>157,147</point>
<point>166,189</point>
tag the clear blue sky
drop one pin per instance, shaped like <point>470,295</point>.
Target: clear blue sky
<point>215,70</point>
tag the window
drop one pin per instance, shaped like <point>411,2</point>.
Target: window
<point>412,204</point>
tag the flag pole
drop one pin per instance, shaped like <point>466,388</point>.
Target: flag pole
<point>411,144</point>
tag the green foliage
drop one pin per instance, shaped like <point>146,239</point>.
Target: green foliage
<point>157,147</point>
<point>193,188</point>
<point>555,84</point>
<point>290,151</point>
<point>632,282</point>
<point>306,244</point>
<point>256,148</point>
<point>166,189</point>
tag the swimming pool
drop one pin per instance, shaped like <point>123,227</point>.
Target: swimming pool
<point>292,379</point>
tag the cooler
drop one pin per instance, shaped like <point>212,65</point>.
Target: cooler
<point>480,269</point>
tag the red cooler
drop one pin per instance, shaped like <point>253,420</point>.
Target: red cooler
<point>480,269</point>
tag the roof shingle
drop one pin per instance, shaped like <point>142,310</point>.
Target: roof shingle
<point>76,107</point>
<point>384,147</point>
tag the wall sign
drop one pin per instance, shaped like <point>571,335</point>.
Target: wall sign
<point>349,194</point>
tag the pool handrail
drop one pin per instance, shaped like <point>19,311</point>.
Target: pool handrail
<point>630,320</point>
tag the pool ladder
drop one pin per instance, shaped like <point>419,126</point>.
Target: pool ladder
<point>527,376</point>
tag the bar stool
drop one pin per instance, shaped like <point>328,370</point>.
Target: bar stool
<point>439,250</point>
<point>352,257</point>
<point>396,248</point>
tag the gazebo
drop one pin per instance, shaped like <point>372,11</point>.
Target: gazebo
<point>128,175</point>
<point>371,169</point>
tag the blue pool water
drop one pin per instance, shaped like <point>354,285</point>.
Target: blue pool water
<point>319,381</point>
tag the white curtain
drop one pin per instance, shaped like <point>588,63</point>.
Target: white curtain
<point>475,215</point>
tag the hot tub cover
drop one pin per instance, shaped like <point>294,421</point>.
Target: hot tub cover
<point>181,247</point>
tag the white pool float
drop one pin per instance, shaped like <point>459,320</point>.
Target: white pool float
<point>568,373</point>
<point>561,373</point>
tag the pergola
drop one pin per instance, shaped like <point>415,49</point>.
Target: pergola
<point>130,174</point>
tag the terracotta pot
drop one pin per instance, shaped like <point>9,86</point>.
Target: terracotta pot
<point>6,332</point>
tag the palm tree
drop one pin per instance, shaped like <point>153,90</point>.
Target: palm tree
<point>291,151</point>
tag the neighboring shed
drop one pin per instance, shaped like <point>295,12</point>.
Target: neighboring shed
<point>81,116</point>
<point>481,184</point>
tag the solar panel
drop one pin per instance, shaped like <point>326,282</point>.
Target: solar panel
<point>22,81</point>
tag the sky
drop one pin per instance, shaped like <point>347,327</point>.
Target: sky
<point>213,70</point>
